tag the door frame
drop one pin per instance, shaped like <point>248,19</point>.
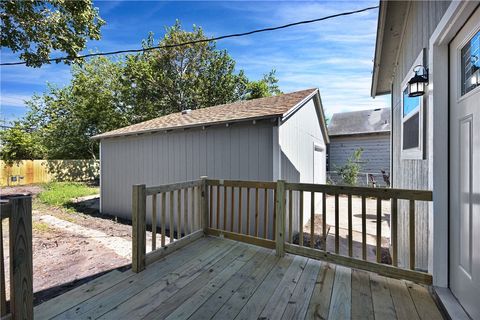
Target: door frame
<point>438,119</point>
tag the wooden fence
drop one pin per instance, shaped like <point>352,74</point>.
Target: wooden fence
<point>19,212</point>
<point>233,209</point>
<point>26,172</point>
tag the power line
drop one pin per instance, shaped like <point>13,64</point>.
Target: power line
<point>193,42</point>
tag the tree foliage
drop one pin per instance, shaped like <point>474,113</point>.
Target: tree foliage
<point>19,144</point>
<point>106,94</point>
<point>36,27</point>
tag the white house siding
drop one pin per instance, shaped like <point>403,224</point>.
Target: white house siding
<point>375,156</point>
<point>298,136</point>
<point>413,174</point>
<point>240,151</point>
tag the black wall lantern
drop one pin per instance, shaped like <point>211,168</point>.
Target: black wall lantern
<point>418,84</point>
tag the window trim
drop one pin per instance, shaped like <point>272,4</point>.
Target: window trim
<point>417,152</point>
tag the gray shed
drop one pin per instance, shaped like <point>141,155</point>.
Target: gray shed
<point>366,129</point>
<point>280,137</point>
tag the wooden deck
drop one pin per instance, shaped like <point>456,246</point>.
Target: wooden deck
<point>215,278</point>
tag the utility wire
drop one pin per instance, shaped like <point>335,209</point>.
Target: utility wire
<point>193,42</point>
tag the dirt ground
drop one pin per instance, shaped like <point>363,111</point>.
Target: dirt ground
<point>64,258</point>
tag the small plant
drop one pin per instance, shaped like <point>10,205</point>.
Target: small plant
<point>350,170</point>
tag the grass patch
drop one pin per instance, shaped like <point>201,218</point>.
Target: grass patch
<point>62,193</point>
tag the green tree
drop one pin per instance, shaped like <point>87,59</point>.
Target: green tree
<point>18,143</point>
<point>350,170</point>
<point>265,87</point>
<point>36,27</point>
<point>108,93</point>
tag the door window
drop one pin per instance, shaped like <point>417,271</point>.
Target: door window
<point>470,64</point>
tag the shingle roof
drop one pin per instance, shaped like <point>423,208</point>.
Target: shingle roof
<point>358,122</point>
<point>242,110</point>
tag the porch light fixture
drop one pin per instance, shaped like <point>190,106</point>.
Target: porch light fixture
<point>418,84</point>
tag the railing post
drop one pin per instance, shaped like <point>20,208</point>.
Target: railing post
<point>204,204</point>
<point>139,247</point>
<point>21,270</point>
<point>280,219</point>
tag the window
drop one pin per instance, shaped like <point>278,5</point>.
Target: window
<point>470,64</point>
<point>412,119</point>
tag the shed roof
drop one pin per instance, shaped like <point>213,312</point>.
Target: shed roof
<point>360,122</point>
<point>261,108</point>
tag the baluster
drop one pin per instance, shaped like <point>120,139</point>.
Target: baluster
<point>232,213</point>
<point>248,211</point>
<point>290,216</point>
<point>164,220</point>
<point>225,208</point>
<point>185,210</point>
<point>210,205</point>
<point>350,234</point>
<point>256,212</point>
<point>364,228</point>
<point>394,232</point>
<point>265,211</point>
<point>275,213</point>
<point>337,228</point>
<point>412,233</point>
<point>379,230</point>
<point>324,220</point>
<point>300,220</point>
<point>154,222</point>
<point>192,207</point>
<point>218,208</point>
<point>312,219</point>
<point>172,220</point>
<point>179,214</point>
<point>239,227</point>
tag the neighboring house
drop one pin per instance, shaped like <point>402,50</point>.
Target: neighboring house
<point>436,140</point>
<point>368,130</point>
<point>280,137</point>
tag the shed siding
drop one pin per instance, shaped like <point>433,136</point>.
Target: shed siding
<point>375,156</point>
<point>297,137</point>
<point>234,152</point>
<point>422,19</point>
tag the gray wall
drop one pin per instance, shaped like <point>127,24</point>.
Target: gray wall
<point>375,156</point>
<point>240,151</point>
<point>413,174</point>
<point>299,161</point>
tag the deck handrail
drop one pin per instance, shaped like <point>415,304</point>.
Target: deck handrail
<point>18,210</point>
<point>267,213</point>
<point>187,211</point>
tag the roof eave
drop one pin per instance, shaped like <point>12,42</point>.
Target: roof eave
<point>156,130</point>
<point>382,11</point>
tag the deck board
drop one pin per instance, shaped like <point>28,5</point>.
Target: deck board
<point>215,278</point>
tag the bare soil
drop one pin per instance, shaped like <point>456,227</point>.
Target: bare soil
<point>62,259</point>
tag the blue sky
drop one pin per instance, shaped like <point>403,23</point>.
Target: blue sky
<point>334,55</point>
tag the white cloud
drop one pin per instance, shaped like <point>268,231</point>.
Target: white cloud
<point>13,100</point>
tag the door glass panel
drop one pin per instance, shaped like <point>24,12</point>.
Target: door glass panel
<point>470,64</point>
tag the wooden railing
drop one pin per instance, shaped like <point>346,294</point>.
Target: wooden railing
<point>180,214</point>
<point>379,194</point>
<point>19,212</point>
<point>271,214</point>
<point>242,210</point>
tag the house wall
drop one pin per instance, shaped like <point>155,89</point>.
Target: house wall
<point>298,136</point>
<point>375,156</point>
<point>422,19</point>
<point>240,151</point>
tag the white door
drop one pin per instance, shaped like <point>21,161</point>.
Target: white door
<point>465,166</point>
